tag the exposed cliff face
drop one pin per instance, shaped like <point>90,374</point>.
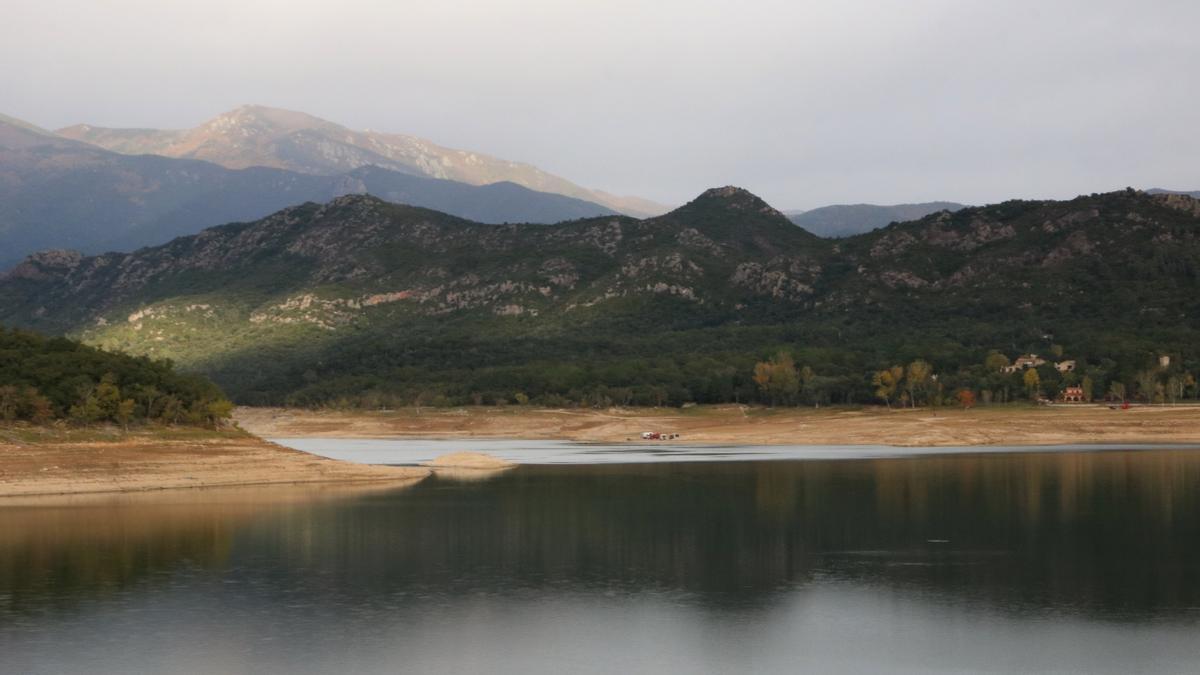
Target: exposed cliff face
<point>358,268</point>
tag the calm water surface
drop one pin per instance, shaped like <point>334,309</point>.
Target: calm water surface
<point>1059,561</point>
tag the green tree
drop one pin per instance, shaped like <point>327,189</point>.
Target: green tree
<point>147,396</point>
<point>1033,383</point>
<point>995,362</point>
<point>1117,390</point>
<point>1147,384</point>
<point>170,410</point>
<point>218,411</point>
<point>86,409</point>
<point>1175,386</point>
<point>108,397</point>
<point>125,410</point>
<point>10,402</point>
<point>808,385</point>
<point>1086,385</point>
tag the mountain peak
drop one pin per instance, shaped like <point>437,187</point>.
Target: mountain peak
<point>261,136</point>
<point>736,198</point>
<point>264,118</point>
<point>731,200</point>
<point>727,192</point>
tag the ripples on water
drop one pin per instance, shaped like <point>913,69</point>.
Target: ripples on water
<point>1067,561</point>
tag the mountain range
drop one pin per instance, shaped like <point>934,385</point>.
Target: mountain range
<point>57,192</point>
<point>846,220</point>
<point>1194,194</point>
<point>360,298</point>
<point>259,136</point>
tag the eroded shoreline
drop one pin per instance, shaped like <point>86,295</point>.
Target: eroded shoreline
<point>158,460</point>
<point>998,426</point>
<point>153,460</point>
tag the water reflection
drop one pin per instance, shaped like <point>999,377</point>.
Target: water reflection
<point>57,551</point>
<point>712,557</point>
<point>1112,533</point>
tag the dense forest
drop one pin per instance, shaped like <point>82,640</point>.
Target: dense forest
<point>694,370</point>
<point>43,379</point>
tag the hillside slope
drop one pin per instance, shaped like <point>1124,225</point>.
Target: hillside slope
<point>360,297</point>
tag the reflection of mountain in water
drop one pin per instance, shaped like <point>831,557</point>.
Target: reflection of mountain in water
<point>1099,532</point>
<point>1112,534</point>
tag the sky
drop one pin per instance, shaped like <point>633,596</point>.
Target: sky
<point>805,103</point>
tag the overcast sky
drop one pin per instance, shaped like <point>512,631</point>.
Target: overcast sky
<point>804,103</point>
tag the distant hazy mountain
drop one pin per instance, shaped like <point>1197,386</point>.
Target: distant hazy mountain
<point>18,134</point>
<point>283,139</point>
<point>56,192</point>
<point>1194,194</point>
<point>846,220</point>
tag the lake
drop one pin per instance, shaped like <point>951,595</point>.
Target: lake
<point>1020,561</point>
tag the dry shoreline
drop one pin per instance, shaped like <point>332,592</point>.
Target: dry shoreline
<point>994,426</point>
<point>154,460</point>
<point>68,463</point>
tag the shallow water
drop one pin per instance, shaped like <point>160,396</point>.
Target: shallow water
<point>1022,562</point>
<point>415,451</point>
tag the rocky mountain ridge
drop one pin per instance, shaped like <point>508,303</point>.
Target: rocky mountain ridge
<point>254,135</point>
<point>58,192</point>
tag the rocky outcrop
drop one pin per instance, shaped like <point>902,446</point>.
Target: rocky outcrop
<point>45,265</point>
<point>1179,202</point>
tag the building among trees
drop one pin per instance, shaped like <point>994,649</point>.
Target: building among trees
<point>1072,395</point>
<point>1024,362</point>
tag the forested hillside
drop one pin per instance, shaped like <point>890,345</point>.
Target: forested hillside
<point>373,303</point>
<point>43,379</point>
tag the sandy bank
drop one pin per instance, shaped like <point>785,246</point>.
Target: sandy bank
<point>155,461</point>
<point>469,460</point>
<point>744,425</point>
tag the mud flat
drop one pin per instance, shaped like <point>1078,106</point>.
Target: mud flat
<point>1007,425</point>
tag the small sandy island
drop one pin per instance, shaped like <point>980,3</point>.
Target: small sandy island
<point>469,460</point>
<point>42,462</point>
<point>468,466</point>
<point>998,425</point>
